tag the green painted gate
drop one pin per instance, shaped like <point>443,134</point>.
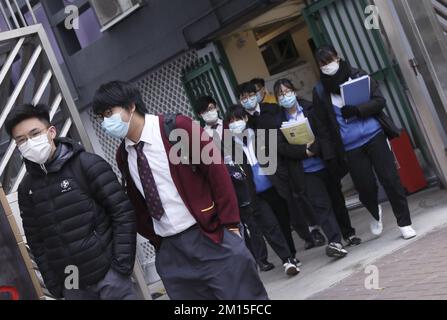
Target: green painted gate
<point>204,77</point>
<point>342,24</point>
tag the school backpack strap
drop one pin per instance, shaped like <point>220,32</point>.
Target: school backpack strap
<point>170,124</point>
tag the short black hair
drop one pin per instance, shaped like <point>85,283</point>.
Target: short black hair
<point>203,102</point>
<point>325,54</point>
<point>246,87</point>
<point>258,81</point>
<point>118,93</point>
<point>236,111</point>
<point>282,82</point>
<point>25,112</point>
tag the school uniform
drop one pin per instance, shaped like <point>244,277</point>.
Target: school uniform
<point>216,130</point>
<point>186,212</point>
<point>267,117</point>
<point>253,234</point>
<point>263,221</point>
<point>311,176</point>
<point>360,146</point>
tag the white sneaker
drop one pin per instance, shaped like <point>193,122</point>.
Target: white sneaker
<point>377,226</point>
<point>407,232</point>
<point>290,268</point>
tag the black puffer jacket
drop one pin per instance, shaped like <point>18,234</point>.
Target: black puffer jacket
<point>75,213</point>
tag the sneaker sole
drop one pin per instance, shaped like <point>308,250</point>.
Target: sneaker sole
<point>332,253</point>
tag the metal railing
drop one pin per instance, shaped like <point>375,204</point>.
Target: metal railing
<point>14,12</point>
<point>40,80</point>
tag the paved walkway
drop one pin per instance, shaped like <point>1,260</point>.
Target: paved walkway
<point>320,275</point>
<point>418,271</point>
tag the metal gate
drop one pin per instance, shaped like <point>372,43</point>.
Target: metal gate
<point>204,77</point>
<point>342,24</point>
<point>30,72</point>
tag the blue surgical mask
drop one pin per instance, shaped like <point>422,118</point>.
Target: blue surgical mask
<point>115,126</point>
<point>251,103</point>
<point>237,127</point>
<point>288,102</point>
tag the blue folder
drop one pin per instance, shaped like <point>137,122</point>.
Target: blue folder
<point>356,91</point>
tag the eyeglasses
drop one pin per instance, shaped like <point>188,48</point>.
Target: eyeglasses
<point>32,135</point>
<point>246,98</point>
<point>286,93</point>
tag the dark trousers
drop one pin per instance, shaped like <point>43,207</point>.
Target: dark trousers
<point>262,222</point>
<point>193,267</point>
<point>114,286</point>
<point>301,215</point>
<point>377,155</point>
<point>281,211</point>
<point>318,188</point>
<point>333,188</point>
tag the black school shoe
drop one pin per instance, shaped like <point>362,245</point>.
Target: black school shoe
<point>265,266</point>
<point>319,239</point>
<point>353,241</point>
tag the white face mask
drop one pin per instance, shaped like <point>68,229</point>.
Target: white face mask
<point>331,68</point>
<point>210,117</point>
<point>237,127</point>
<point>37,150</point>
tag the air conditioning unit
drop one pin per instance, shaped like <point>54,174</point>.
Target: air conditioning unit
<point>110,12</point>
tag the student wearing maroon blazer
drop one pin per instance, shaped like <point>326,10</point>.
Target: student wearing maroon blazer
<point>188,212</point>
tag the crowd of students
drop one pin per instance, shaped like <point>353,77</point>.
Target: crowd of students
<point>207,221</point>
<point>305,193</point>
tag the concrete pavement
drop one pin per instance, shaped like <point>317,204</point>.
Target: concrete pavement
<point>318,273</point>
<point>415,272</point>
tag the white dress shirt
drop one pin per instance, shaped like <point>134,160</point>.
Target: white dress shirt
<point>177,217</point>
<point>249,150</point>
<point>337,100</point>
<point>219,130</point>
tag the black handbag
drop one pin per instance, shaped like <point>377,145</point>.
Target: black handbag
<point>388,126</point>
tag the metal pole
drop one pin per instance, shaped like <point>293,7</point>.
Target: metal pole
<point>31,11</point>
<point>5,17</point>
